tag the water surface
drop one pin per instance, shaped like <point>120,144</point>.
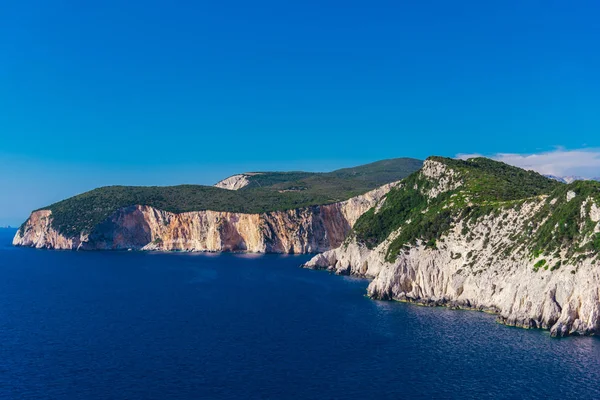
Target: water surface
<point>131,325</point>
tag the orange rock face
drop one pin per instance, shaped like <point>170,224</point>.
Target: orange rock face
<point>304,230</point>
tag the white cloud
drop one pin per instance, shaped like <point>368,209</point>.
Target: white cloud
<point>559,162</point>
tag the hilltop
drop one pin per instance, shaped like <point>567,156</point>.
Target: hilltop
<point>368,175</point>
<point>474,188</point>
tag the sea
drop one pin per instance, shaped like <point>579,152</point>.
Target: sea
<point>144,325</point>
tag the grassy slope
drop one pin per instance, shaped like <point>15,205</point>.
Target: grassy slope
<point>270,179</point>
<point>489,187</point>
<point>371,175</point>
<point>84,211</point>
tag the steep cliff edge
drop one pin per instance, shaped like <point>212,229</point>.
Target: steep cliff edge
<point>485,236</point>
<point>303,230</point>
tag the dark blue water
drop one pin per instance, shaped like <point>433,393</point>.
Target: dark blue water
<point>130,325</point>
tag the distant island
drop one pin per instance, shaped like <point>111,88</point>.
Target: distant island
<point>475,234</point>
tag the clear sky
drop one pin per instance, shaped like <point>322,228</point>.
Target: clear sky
<point>168,92</point>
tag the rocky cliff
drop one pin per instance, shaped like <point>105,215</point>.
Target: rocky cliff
<point>302,230</point>
<point>234,182</point>
<point>533,261</point>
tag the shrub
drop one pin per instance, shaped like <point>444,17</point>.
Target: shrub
<point>539,264</point>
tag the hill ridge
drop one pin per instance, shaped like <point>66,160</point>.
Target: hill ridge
<point>82,212</point>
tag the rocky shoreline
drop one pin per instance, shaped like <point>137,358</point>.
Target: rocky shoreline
<point>467,269</point>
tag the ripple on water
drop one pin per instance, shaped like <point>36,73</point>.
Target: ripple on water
<point>185,325</point>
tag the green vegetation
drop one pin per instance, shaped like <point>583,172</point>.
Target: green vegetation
<point>373,174</point>
<point>267,192</point>
<point>486,187</point>
<point>374,227</point>
<point>380,172</point>
<point>428,227</point>
<point>595,244</point>
<point>540,264</point>
<point>489,180</point>
<point>266,179</point>
<point>560,223</point>
<point>365,176</point>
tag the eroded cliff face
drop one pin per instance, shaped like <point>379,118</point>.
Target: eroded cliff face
<point>478,265</point>
<point>38,232</point>
<point>235,182</point>
<point>304,230</point>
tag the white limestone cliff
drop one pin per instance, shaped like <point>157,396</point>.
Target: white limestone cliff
<point>479,266</point>
<point>235,182</point>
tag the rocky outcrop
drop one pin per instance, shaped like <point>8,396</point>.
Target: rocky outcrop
<point>38,232</point>
<point>304,230</point>
<point>234,182</point>
<point>480,265</point>
<point>443,179</point>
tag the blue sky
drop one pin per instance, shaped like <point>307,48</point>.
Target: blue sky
<point>157,92</point>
